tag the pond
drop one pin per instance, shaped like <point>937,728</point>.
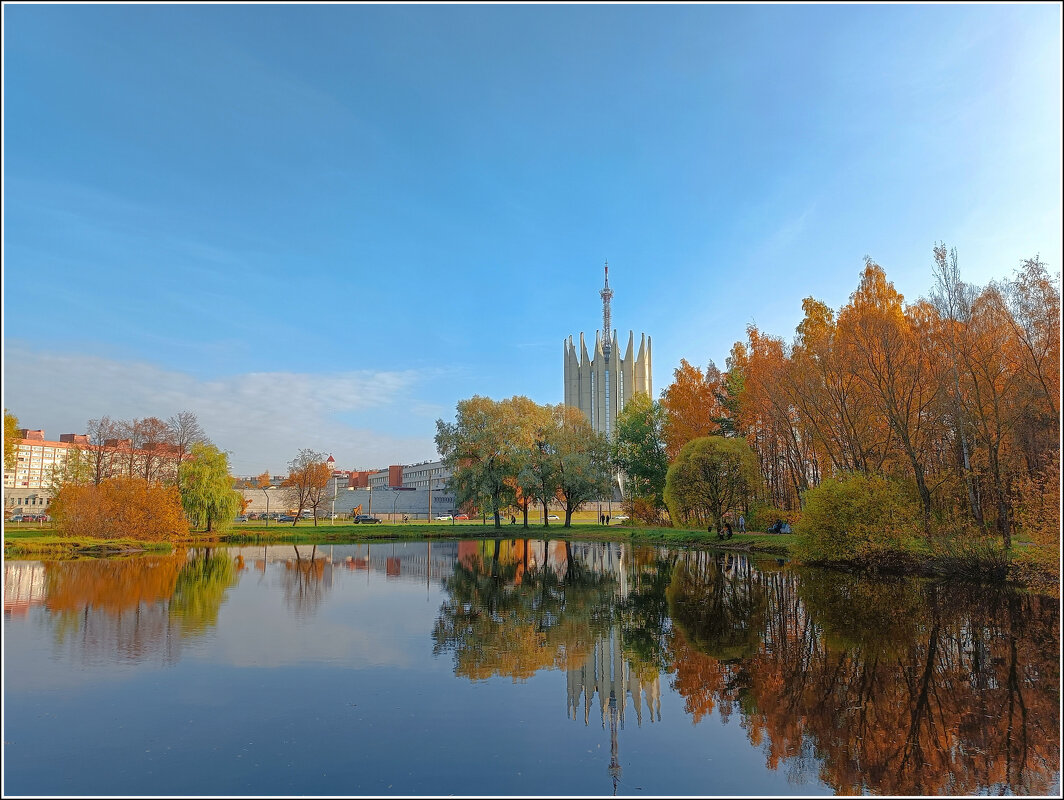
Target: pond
<point>519,667</point>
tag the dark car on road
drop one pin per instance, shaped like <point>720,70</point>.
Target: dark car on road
<point>365,518</point>
<point>287,518</point>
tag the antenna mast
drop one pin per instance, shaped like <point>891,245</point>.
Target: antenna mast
<point>606,294</point>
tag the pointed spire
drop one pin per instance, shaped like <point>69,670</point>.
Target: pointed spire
<point>606,294</point>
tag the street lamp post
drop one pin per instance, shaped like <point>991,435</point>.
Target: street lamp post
<point>264,488</point>
<point>394,501</point>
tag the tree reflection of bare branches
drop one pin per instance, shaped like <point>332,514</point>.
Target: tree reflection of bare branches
<point>305,579</point>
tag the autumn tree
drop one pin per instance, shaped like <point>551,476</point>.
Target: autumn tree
<point>99,432</point>
<point>711,476</point>
<point>892,359</point>
<point>120,507</point>
<point>992,383</point>
<point>307,482</point>
<point>534,473</point>
<point>156,450</point>
<point>953,299</point>
<point>11,440</point>
<point>206,488</point>
<point>128,432</point>
<point>691,404</point>
<point>771,422</point>
<point>185,431</point>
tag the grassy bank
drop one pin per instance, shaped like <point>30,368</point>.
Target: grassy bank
<point>46,543</point>
<point>1019,566</point>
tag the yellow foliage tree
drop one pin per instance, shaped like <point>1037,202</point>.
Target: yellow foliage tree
<point>10,440</point>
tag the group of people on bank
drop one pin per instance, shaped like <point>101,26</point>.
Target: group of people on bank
<point>725,532</point>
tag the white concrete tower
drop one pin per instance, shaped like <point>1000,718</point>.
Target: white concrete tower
<point>601,385</point>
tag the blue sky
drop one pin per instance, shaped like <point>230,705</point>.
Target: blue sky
<point>323,226</point>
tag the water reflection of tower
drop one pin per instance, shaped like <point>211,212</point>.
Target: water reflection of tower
<point>607,673</point>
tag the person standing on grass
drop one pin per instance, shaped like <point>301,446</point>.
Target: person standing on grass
<point>742,524</point>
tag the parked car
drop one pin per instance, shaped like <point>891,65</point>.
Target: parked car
<point>461,516</point>
<point>444,518</point>
<point>287,518</point>
<point>365,518</point>
<point>240,518</point>
<point>15,518</point>
<point>619,518</point>
<point>553,516</point>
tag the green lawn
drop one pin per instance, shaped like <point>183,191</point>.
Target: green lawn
<point>47,543</point>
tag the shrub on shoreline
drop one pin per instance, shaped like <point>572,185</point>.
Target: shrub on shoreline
<point>857,518</point>
<point>129,508</point>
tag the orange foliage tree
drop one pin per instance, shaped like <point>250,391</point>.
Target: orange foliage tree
<point>958,395</point>
<point>692,407</point>
<point>120,508</point>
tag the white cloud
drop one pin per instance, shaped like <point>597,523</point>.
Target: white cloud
<point>261,418</point>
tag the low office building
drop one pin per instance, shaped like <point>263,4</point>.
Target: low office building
<point>425,475</point>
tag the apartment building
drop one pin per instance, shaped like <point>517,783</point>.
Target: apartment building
<point>29,486</point>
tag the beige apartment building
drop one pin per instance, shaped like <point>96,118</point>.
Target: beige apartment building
<point>28,488</point>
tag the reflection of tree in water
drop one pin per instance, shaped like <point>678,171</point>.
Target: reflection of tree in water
<point>511,614</point>
<point>101,608</point>
<point>900,687</point>
<point>497,625</point>
<point>718,601</point>
<point>304,581</point>
<point>135,607</point>
<point>200,590</point>
<point>643,611</point>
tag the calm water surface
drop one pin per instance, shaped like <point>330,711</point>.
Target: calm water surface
<point>518,667</point>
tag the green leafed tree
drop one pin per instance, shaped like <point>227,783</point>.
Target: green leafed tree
<point>200,591</point>
<point>711,476</point>
<point>856,517</point>
<point>638,451</point>
<point>480,448</point>
<point>582,460</point>
<point>207,493</point>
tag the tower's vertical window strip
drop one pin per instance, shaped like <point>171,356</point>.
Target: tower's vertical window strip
<point>607,402</point>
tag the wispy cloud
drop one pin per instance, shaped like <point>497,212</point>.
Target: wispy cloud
<point>262,418</point>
